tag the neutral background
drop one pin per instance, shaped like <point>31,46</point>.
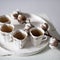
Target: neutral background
<point>49,7</point>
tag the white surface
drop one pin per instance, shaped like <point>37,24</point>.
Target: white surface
<point>50,53</point>
<point>50,7</point>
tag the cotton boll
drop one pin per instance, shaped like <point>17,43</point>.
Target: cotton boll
<point>44,26</point>
<point>21,18</point>
<point>53,43</point>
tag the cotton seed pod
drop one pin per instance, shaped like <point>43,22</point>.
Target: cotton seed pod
<point>53,43</point>
<point>44,26</point>
<point>21,18</point>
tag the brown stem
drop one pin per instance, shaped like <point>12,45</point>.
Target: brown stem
<point>48,34</point>
<point>31,24</point>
